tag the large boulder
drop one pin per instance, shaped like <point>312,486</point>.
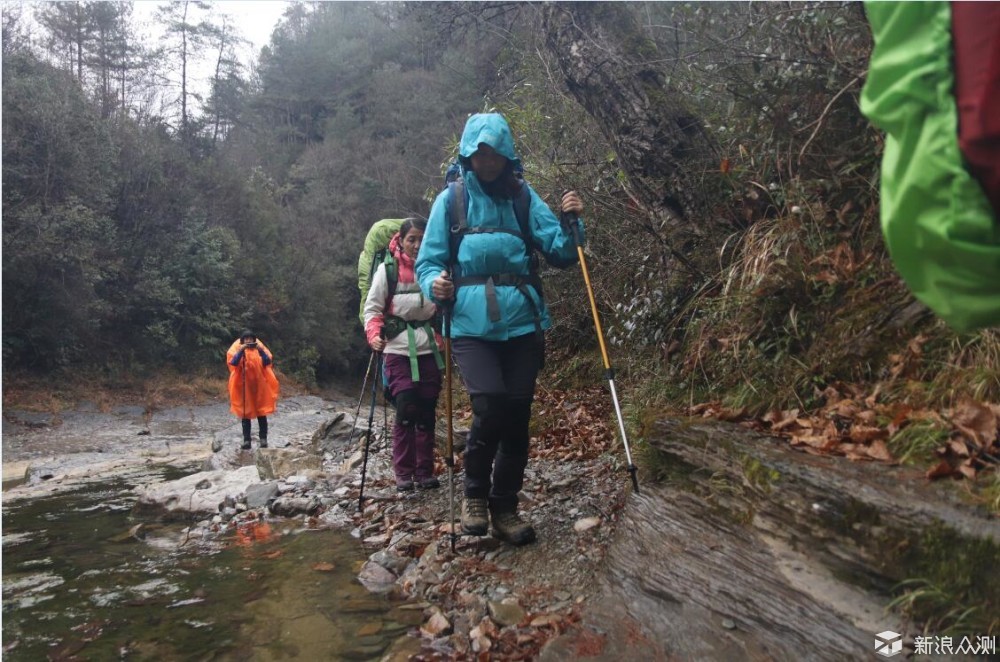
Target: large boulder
<point>197,495</point>
<point>274,463</point>
<point>334,435</point>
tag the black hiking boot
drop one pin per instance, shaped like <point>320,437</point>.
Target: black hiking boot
<point>475,517</point>
<point>405,485</point>
<point>245,445</point>
<point>263,442</point>
<point>509,527</point>
<point>428,483</point>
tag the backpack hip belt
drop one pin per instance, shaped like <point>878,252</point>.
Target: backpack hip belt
<point>520,281</point>
<point>392,326</point>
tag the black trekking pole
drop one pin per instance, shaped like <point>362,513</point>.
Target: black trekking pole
<point>450,460</point>
<point>244,416</point>
<point>368,439</point>
<point>609,372</point>
<point>364,386</point>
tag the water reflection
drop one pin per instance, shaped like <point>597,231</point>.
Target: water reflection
<point>82,579</point>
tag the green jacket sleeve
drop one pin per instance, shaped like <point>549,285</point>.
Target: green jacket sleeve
<point>939,227</point>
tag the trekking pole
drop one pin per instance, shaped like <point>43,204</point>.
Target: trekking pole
<point>450,460</point>
<point>364,386</point>
<point>609,372</point>
<point>368,440</point>
<point>243,363</point>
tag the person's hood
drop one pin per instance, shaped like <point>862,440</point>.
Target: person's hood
<point>492,129</point>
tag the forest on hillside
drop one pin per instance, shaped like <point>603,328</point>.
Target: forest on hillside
<point>731,187</point>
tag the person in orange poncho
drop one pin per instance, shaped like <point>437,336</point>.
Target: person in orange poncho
<point>253,388</point>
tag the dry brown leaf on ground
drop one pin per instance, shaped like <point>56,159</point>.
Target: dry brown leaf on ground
<point>879,451</point>
<point>941,470</point>
<point>959,447</point>
<point>788,418</point>
<point>977,421</point>
<point>967,469</point>
<point>861,434</point>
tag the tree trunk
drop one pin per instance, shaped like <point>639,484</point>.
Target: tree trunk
<point>608,65</point>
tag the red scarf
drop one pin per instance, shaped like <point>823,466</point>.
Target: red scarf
<point>404,263</point>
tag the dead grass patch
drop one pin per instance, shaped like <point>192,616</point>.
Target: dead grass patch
<point>64,392</point>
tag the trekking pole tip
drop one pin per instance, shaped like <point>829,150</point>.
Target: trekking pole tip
<point>632,469</point>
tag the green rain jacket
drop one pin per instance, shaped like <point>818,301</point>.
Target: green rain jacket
<point>941,231</point>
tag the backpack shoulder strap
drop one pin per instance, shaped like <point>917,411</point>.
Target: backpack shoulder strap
<point>458,221</point>
<point>522,208</point>
<point>391,274</point>
<point>456,205</point>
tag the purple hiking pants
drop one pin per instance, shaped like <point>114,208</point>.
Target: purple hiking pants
<point>416,402</point>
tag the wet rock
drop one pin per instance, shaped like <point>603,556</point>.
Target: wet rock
<point>481,637</point>
<point>506,612</point>
<point>391,561</point>
<point>351,463</point>
<point>275,463</point>
<point>436,626</point>
<point>376,541</point>
<point>261,494</point>
<point>402,649</point>
<point>332,435</point>
<point>375,578</point>
<point>291,506</point>
<point>368,630</point>
<point>301,482</point>
<point>35,475</point>
<point>183,497</point>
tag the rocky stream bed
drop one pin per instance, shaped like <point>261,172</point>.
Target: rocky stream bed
<point>736,547</point>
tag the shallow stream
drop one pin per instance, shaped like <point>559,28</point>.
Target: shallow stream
<point>84,579</point>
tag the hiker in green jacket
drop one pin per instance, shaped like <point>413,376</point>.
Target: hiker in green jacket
<point>934,87</point>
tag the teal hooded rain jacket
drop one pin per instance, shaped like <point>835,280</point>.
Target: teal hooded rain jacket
<point>485,254</point>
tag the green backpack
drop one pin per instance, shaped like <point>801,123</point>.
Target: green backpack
<point>375,252</point>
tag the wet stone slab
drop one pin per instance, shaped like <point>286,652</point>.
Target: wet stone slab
<point>740,548</point>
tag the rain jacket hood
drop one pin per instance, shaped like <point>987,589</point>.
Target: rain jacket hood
<point>493,249</point>
<point>492,129</point>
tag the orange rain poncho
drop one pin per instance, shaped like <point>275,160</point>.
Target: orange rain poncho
<point>261,393</point>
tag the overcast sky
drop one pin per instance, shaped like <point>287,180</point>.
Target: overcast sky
<point>255,19</point>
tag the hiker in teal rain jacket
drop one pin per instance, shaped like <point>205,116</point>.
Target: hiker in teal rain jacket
<point>482,270</point>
